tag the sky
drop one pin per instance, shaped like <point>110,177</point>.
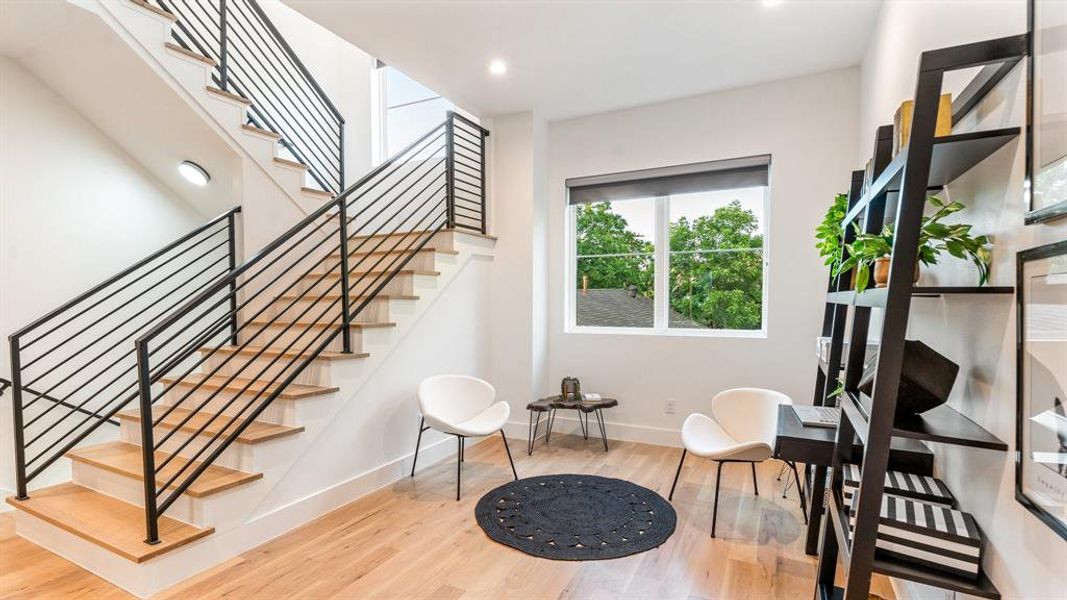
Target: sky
<point>641,213</point>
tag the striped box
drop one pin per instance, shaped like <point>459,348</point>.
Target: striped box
<point>908,485</point>
<point>931,535</point>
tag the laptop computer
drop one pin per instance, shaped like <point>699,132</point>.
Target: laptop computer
<point>818,416</point>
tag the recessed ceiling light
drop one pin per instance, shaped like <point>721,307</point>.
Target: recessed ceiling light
<point>498,67</point>
<point>772,3</point>
<point>194,173</point>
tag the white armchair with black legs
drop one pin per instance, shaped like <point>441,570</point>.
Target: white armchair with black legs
<point>464,407</point>
<point>743,430</point>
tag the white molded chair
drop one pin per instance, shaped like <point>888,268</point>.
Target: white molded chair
<point>743,429</point>
<point>464,407</point>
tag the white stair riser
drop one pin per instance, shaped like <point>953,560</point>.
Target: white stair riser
<point>300,337</point>
<point>237,456</point>
<point>245,365</point>
<point>401,285</point>
<point>280,411</point>
<point>375,311</point>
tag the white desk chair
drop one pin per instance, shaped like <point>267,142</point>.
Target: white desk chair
<point>743,430</point>
<point>461,406</point>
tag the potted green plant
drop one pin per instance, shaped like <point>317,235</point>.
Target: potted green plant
<point>873,250</point>
<point>830,234</point>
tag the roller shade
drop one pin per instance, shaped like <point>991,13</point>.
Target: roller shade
<point>681,179</point>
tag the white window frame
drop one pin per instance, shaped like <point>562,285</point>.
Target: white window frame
<point>662,284</point>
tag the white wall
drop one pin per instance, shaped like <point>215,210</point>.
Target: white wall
<point>519,295</point>
<point>1025,559</point>
<point>342,70</point>
<point>74,209</point>
<point>807,125</point>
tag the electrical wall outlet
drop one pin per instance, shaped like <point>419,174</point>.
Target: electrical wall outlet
<point>668,406</point>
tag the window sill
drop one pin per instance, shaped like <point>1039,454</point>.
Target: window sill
<point>699,333</point>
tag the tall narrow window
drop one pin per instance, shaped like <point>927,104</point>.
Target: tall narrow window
<point>679,249</point>
<point>408,110</point>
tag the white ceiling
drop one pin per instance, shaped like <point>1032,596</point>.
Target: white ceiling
<point>569,58</point>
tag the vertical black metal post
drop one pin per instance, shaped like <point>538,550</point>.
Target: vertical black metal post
<point>148,457</point>
<point>224,75</point>
<point>450,169</point>
<point>341,156</point>
<point>16,409</point>
<point>231,231</point>
<point>346,313</point>
<point>483,167</point>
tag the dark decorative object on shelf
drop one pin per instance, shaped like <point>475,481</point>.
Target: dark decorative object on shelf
<point>1046,120</point>
<point>1040,422</point>
<point>926,379</point>
<point>570,389</point>
<point>576,517</point>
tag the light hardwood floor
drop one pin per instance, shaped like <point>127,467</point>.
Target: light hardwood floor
<point>414,540</point>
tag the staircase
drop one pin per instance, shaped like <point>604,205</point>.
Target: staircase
<point>220,375</point>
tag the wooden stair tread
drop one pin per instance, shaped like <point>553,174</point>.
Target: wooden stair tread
<point>315,192</point>
<point>396,251</point>
<point>159,11</point>
<point>400,272</point>
<point>358,297</point>
<point>260,131</point>
<point>272,352</point>
<point>207,60</point>
<point>285,162</point>
<point>294,391</point>
<point>325,324</point>
<point>469,232</point>
<point>258,431</point>
<point>105,521</point>
<point>229,95</point>
<point>125,459</point>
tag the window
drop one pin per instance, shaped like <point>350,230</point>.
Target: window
<point>407,110</point>
<point>679,250</point>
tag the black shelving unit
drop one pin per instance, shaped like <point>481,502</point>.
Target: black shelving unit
<point>898,193</point>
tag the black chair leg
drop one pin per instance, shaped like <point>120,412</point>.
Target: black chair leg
<point>800,492</point>
<point>513,471</point>
<point>418,440</point>
<point>676,474</point>
<point>715,509</point>
<point>459,464</point>
<point>462,448</point>
<point>603,430</point>
<point>755,484</point>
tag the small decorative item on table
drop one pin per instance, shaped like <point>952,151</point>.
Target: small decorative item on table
<point>570,398</point>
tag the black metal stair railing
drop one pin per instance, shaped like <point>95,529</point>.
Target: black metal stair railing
<point>72,370</point>
<point>203,383</point>
<point>254,60</point>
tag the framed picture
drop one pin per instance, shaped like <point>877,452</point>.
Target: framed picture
<point>1046,112</point>
<point>1041,410</point>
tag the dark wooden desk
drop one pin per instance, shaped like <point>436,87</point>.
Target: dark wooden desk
<point>814,446</point>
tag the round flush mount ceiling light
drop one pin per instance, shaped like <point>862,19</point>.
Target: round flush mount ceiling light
<point>498,67</point>
<point>194,173</point>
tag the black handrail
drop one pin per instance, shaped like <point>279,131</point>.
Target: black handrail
<point>253,60</point>
<point>65,377</point>
<point>300,295</point>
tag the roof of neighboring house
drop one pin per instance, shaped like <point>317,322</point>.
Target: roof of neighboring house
<point>616,308</point>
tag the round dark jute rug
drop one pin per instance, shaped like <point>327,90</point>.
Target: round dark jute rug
<point>576,517</point>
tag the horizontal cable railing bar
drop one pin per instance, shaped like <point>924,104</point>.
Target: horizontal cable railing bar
<point>6,383</point>
<point>95,289</point>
